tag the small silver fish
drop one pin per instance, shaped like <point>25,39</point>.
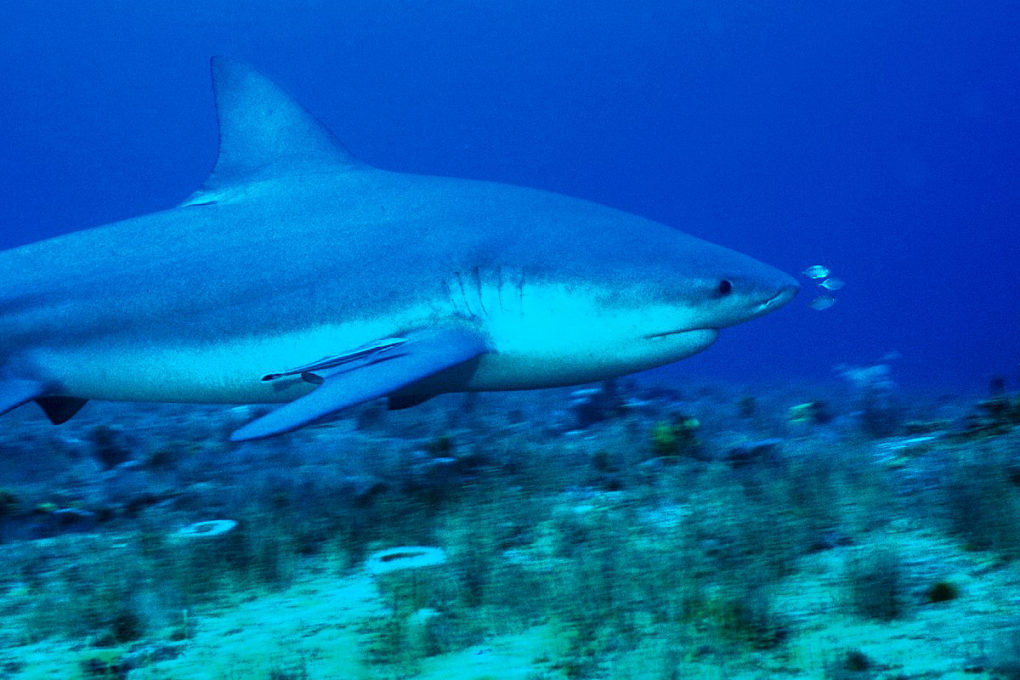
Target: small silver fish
<point>832,284</point>
<point>816,271</point>
<point>822,302</point>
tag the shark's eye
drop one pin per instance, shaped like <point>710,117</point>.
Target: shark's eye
<point>725,287</point>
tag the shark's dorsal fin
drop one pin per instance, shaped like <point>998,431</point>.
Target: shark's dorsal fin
<point>264,134</point>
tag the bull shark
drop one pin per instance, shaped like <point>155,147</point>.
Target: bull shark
<point>299,275</point>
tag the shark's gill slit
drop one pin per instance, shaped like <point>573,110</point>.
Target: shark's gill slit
<point>476,275</point>
<point>520,291</point>
<point>464,295</point>
<point>499,286</point>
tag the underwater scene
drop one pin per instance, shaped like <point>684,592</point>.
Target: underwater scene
<point>618,531</point>
<point>378,340</point>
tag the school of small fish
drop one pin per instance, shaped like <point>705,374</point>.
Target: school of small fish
<point>827,284</point>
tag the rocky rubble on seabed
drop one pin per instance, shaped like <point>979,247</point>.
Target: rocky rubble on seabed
<point>617,531</point>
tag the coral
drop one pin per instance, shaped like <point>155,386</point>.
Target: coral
<point>943,591</point>
<point>980,502</point>
<point>876,399</point>
<point>994,417</point>
<point>875,585</point>
<point>8,503</point>
<point>208,529</point>
<point>596,405</point>
<point>405,557</point>
<point>812,412</point>
<point>407,576</point>
<point>106,447</point>
<point>103,666</point>
<point>675,438</point>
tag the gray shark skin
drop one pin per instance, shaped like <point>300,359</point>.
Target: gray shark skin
<point>297,274</point>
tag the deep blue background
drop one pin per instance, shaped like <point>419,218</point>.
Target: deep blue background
<point>879,138</point>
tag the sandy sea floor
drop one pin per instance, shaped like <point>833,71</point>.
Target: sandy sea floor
<point>618,532</point>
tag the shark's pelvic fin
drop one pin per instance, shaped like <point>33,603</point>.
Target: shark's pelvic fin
<point>60,409</point>
<point>398,402</point>
<point>421,355</point>
<point>264,134</point>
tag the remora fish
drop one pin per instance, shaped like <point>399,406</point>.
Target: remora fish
<point>298,274</point>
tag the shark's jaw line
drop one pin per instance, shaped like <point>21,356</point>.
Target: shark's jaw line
<point>299,274</point>
<point>666,334</point>
<point>784,295</point>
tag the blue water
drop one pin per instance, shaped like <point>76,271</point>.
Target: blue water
<point>879,138</point>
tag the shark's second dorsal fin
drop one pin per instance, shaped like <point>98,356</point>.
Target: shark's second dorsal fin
<point>264,134</point>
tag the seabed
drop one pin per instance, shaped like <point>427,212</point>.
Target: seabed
<point>622,531</point>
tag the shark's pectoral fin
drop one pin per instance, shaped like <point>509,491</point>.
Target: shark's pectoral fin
<point>14,392</point>
<point>60,409</point>
<point>416,357</point>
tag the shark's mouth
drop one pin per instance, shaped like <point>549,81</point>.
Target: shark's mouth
<point>784,295</point>
<point>674,333</point>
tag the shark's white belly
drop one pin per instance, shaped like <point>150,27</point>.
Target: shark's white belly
<point>563,341</point>
<point>225,372</point>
